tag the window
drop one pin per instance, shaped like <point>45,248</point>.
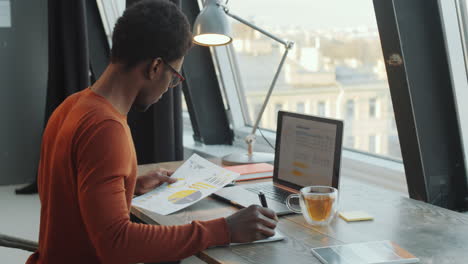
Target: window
<point>278,107</point>
<point>300,107</point>
<point>184,105</point>
<point>455,53</point>
<point>350,141</point>
<point>391,145</point>
<point>373,107</point>
<point>110,11</point>
<point>373,144</point>
<point>350,109</point>
<point>321,109</point>
<point>337,55</point>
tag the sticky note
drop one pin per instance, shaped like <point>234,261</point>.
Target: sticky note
<point>351,216</point>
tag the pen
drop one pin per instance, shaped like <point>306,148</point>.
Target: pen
<point>263,199</point>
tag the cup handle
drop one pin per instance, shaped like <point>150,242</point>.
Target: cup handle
<point>291,207</point>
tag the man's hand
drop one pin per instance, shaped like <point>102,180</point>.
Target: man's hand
<point>252,223</point>
<point>152,179</point>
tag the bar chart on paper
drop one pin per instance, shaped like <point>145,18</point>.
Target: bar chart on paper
<point>185,197</point>
<point>196,179</point>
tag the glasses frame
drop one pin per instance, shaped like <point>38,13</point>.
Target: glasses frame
<point>175,73</point>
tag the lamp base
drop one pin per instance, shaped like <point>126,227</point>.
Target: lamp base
<point>244,158</point>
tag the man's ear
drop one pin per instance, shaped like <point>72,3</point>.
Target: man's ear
<point>155,68</point>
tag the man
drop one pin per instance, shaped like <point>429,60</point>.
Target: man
<point>88,167</point>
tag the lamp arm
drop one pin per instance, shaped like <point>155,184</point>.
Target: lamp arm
<point>250,139</point>
<point>270,91</point>
<point>266,33</point>
<point>243,21</point>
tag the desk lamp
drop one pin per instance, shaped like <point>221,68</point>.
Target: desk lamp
<point>212,29</point>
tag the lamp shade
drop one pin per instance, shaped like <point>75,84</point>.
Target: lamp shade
<point>211,27</point>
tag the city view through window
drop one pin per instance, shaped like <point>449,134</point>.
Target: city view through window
<point>336,68</point>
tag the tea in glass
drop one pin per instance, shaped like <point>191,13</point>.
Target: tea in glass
<point>318,204</point>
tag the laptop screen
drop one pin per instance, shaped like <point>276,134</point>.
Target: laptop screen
<point>308,150</point>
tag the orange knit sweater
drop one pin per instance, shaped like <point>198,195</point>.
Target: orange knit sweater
<point>86,181</point>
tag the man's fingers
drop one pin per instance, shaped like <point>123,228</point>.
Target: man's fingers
<point>268,212</point>
<point>264,231</point>
<point>164,178</point>
<point>268,222</point>
<point>172,180</point>
<point>165,172</point>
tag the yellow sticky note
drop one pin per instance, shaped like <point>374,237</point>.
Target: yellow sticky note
<point>351,216</point>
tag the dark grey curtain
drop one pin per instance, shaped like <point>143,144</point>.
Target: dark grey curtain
<point>157,133</point>
<point>68,52</point>
<point>68,57</point>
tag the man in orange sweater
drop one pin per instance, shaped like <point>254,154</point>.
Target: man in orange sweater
<point>88,168</point>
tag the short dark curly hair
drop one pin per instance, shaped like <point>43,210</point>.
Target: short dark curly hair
<point>150,29</point>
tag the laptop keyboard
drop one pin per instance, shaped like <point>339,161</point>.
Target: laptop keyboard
<point>271,192</point>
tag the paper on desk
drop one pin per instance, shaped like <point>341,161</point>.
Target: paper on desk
<point>277,237</point>
<point>196,179</point>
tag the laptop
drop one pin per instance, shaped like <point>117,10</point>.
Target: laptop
<point>307,152</point>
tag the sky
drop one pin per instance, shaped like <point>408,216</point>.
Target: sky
<point>311,14</point>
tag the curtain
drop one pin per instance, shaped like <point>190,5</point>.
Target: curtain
<point>68,57</point>
<point>157,133</point>
<point>68,52</point>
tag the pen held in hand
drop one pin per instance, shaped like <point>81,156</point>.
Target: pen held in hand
<point>262,198</point>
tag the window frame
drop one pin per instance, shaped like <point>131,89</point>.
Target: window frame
<point>423,95</point>
<point>457,54</point>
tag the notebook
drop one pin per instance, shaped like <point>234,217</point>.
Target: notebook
<point>277,237</point>
<point>252,171</point>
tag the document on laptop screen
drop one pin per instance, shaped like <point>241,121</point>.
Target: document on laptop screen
<point>307,151</point>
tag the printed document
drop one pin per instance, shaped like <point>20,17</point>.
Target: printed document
<point>196,179</point>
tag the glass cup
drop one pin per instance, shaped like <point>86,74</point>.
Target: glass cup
<point>318,204</point>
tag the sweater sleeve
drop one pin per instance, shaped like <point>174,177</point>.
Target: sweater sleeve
<point>102,156</point>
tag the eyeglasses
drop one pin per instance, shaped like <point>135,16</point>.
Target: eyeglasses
<point>177,78</point>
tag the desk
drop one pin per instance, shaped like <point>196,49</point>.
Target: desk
<point>435,235</point>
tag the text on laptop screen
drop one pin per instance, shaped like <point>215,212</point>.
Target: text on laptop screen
<point>307,151</point>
